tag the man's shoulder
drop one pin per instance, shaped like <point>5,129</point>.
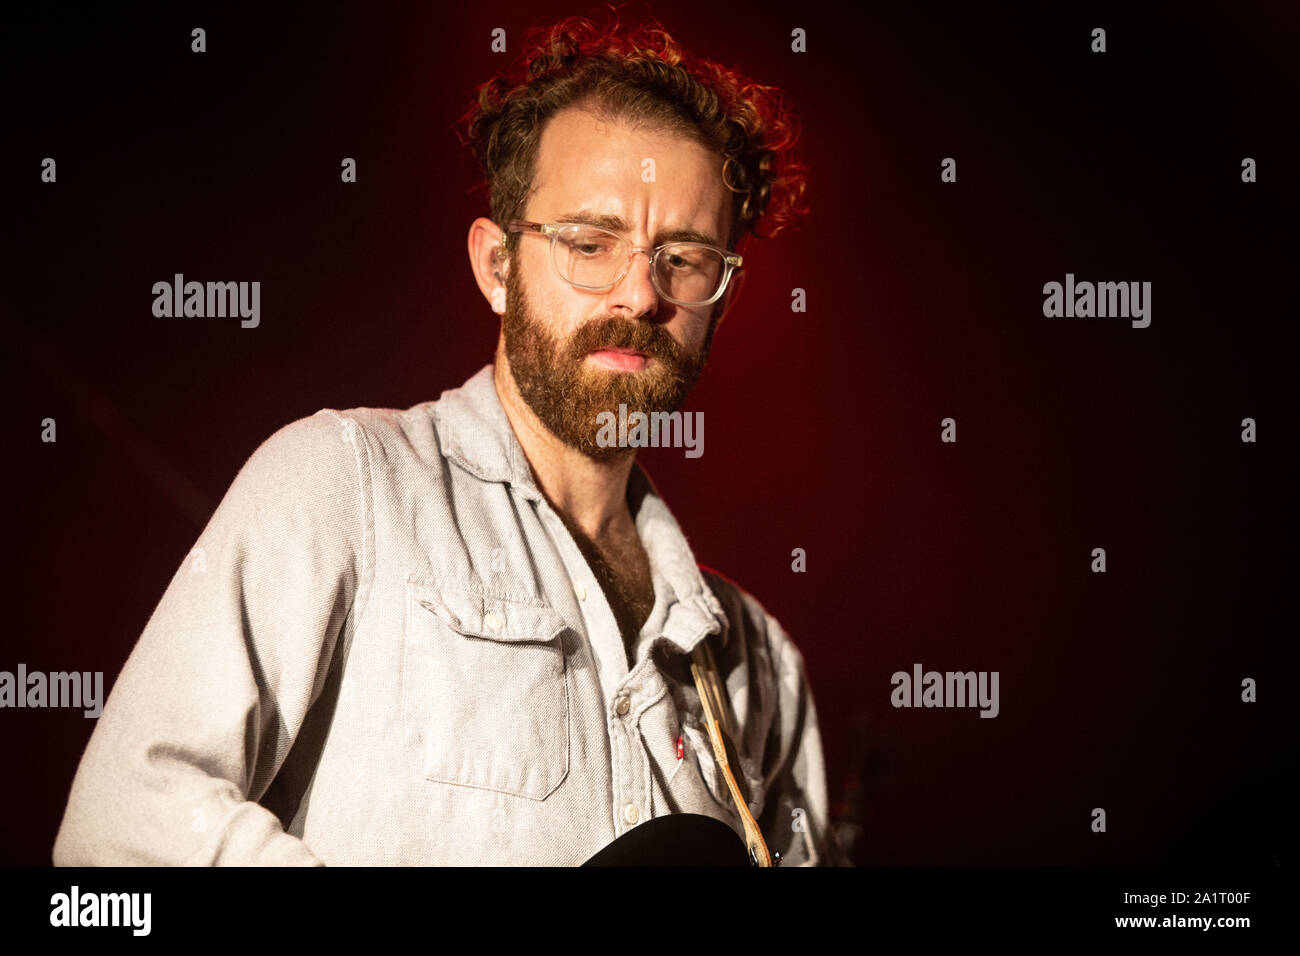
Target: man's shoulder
<point>748,618</point>
<point>363,429</point>
<point>310,463</point>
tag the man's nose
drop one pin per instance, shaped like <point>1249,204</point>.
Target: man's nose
<point>635,292</point>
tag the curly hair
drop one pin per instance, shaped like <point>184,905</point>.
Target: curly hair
<point>645,78</point>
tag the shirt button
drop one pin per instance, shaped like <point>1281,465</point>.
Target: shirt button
<point>630,813</point>
<point>622,706</point>
<point>580,589</point>
<point>493,621</point>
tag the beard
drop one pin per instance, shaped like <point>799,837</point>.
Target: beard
<point>567,394</point>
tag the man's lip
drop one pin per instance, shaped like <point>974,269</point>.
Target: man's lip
<point>621,360</point>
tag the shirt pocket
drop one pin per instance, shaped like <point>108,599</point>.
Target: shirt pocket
<point>485,696</point>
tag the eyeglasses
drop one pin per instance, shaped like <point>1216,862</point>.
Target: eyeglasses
<point>592,258</point>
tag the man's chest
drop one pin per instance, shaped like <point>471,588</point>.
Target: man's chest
<point>483,687</point>
<point>623,571</point>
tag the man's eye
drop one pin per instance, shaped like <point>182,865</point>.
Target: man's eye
<point>590,248</point>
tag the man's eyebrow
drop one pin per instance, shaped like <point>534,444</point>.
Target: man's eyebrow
<point>616,224</point>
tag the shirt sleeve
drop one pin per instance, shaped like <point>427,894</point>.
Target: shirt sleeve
<point>216,688</point>
<point>796,816</point>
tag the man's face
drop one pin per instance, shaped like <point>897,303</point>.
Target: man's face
<point>576,353</point>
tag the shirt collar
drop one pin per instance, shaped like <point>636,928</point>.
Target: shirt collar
<point>473,431</point>
<point>693,609</point>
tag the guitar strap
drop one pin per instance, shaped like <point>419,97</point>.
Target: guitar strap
<point>717,717</point>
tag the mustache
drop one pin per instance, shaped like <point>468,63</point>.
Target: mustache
<point>616,333</point>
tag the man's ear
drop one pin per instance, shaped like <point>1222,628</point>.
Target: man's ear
<point>487,261</point>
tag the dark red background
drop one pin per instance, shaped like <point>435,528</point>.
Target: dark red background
<point>924,301</point>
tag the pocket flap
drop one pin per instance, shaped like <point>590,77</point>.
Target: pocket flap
<point>473,613</point>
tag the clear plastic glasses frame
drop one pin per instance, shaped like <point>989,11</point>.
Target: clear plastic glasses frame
<point>554,230</point>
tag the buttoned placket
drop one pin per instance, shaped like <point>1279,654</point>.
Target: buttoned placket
<point>622,689</point>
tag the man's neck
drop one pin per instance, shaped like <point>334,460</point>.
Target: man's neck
<point>590,494</point>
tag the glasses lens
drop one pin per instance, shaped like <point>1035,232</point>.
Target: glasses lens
<point>592,258</point>
<point>689,272</point>
<point>588,256</point>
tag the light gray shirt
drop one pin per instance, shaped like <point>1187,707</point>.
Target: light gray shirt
<point>386,649</point>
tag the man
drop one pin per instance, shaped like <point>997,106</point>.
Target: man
<point>462,633</point>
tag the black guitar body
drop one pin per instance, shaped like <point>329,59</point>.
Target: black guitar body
<point>679,839</point>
